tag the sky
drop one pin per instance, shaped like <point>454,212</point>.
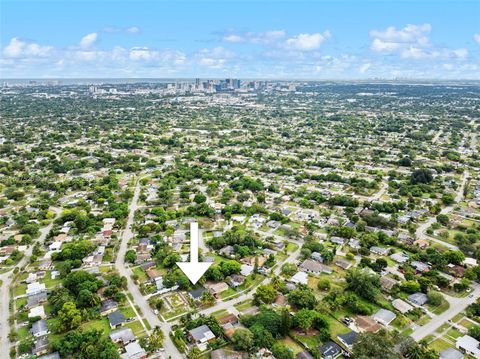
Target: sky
<point>362,39</point>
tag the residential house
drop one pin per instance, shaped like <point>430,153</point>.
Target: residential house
<point>196,294</point>
<point>342,263</point>
<point>237,280</point>
<point>381,251</point>
<point>469,346</point>
<point>108,306</point>
<point>347,339</point>
<point>36,299</point>
<point>201,336</point>
<point>134,351</point>
<point>387,283</point>
<point>122,335</point>
<point>384,316</point>
<point>330,350</point>
<point>314,267</point>
<point>116,319</point>
<point>451,353</point>
<point>216,288</point>
<point>300,278</point>
<point>337,240</point>
<point>37,312</point>
<point>418,298</point>
<point>420,266</point>
<point>402,306</point>
<point>41,346</point>
<point>39,328</point>
<point>399,257</point>
<point>35,288</point>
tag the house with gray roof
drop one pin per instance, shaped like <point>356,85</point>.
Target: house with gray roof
<point>384,316</point>
<point>418,298</point>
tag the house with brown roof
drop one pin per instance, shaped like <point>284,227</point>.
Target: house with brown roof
<point>387,283</point>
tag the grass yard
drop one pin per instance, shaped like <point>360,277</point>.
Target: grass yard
<point>466,323</point>
<point>142,277</point>
<point>176,312</point>
<point>454,333</point>
<point>49,282</point>
<point>20,289</point>
<point>98,324</point>
<point>458,317</point>
<point>292,247</point>
<point>423,320</point>
<point>337,327</point>
<point>23,332</point>
<point>440,309</point>
<point>128,312</point>
<point>439,345</point>
<point>243,305</point>
<point>136,328</point>
<point>251,282</point>
<point>220,313</point>
<point>21,302</point>
<point>230,292</point>
<point>292,344</point>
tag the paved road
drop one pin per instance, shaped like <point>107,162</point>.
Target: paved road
<point>420,232</point>
<point>5,290</point>
<point>139,299</point>
<point>457,305</point>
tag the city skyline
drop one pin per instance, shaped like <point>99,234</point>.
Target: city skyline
<point>264,40</point>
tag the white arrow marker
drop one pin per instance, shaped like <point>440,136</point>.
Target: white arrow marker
<point>194,269</point>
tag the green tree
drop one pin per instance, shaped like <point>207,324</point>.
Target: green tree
<point>130,256</point>
<point>363,283</point>
<point>374,346</point>
<point>69,316</point>
<point>266,293</point>
<point>242,339</point>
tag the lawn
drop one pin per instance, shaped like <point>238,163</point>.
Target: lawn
<point>142,277</point>
<point>136,327</point>
<point>454,333</point>
<point>128,312</point>
<point>251,282</point>
<point>174,313</point>
<point>441,308</point>
<point>219,313</point>
<point>292,344</point>
<point>439,345</point>
<point>21,302</point>
<point>423,320</point>
<point>98,324</point>
<point>49,282</point>
<point>458,317</point>
<point>337,327</point>
<point>20,289</point>
<point>466,323</point>
<point>23,332</point>
<point>243,305</point>
<point>292,247</point>
<point>228,293</point>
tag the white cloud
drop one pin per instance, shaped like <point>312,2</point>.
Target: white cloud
<point>476,37</point>
<point>214,58</point>
<point>307,42</point>
<point>88,40</point>
<point>18,48</point>
<point>411,42</point>
<point>263,38</point>
<point>133,30</point>
<point>234,38</point>
<point>364,68</point>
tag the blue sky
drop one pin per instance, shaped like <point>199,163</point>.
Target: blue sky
<point>247,39</point>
